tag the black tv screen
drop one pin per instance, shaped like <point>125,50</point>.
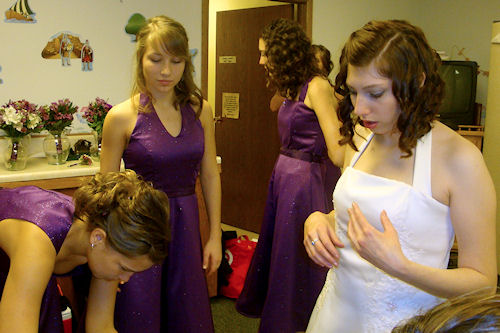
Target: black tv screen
<point>460,78</point>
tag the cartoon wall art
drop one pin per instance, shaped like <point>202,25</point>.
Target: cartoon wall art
<point>20,12</point>
<point>87,55</point>
<point>134,24</point>
<point>65,49</point>
<point>64,46</point>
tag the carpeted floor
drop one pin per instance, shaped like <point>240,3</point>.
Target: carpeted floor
<point>228,320</point>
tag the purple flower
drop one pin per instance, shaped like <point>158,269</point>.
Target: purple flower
<point>95,113</point>
<point>58,115</point>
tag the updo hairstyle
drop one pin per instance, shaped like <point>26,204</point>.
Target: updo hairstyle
<point>134,215</point>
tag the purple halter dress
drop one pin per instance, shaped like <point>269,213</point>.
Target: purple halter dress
<point>172,297</point>
<point>282,283</point>
<point>53,213</point>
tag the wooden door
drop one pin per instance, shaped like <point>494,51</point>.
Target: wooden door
<point>248,145</point>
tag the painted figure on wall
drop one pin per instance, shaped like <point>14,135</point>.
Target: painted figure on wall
<point>20,12</point>
<point>65,50</point>
<point>87,55</point>
<point>64,44</point>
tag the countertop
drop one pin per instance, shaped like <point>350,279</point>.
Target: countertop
<point>37,168</point>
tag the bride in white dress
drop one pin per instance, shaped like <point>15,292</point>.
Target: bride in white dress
<point>410,188</point>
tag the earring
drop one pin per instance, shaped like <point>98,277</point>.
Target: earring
<point>92,245</point>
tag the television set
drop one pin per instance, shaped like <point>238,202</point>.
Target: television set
<point>458,106</point>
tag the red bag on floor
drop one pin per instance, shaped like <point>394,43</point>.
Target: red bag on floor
<point>239,252</point>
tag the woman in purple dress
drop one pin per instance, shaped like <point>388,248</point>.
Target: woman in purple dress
<point>282,283</point>
<point>118,225</point>
<point>166,128</point>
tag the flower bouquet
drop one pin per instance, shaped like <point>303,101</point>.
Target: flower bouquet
<point>56,117</point>
<point>18,119</point>
<point>95,113</point>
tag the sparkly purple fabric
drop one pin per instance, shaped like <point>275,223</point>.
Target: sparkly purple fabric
<point>282,283</point>
<point>172,297</point>
<point>53,213</point>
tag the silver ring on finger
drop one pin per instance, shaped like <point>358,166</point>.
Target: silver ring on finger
<point>314,241</point>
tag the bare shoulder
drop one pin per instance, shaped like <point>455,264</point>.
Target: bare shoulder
<point>206,114</point>
<point>456,153</point>
<point>19,237</point>
<point>123,112</point>
<point>457,165</point>
<point>319,85</point>
<point>120,120</point>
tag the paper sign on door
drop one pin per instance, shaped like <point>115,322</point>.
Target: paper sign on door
<point>231,105</point>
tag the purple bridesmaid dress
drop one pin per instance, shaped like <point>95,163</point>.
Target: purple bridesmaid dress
<point>53,213</point>
<point>172,297</point>
<point>282,283</point>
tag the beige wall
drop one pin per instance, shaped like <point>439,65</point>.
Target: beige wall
<point>26,74</point>
<point>491,150</point>
<point>452,25</point>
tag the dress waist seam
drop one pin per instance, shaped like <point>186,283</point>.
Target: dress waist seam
<point>181,192</point>
<point>303,155</point>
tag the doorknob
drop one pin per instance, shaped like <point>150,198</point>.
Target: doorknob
<point>218,119</point>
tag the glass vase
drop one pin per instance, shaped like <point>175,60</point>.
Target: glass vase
<point>16,153</point>
<point>95,149</point>
<point>56,147</point>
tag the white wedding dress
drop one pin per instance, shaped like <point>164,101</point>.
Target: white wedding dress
<point>358,297</point>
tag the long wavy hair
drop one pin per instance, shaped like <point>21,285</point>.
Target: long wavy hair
<point>170,35</point>
<point>400,52</point>
<point>134,215</point>
<point>290,57</point>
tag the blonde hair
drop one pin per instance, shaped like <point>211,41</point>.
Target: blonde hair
<point>470,313</point>
<point>171,36</point>
<point>134,215</point>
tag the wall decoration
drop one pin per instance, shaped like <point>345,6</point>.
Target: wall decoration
<point>87,55</point>
<point>65,49</point>
<point>64,45</point>
<point>20,12</point>
<point>134,24</point>
<point>1,81</point>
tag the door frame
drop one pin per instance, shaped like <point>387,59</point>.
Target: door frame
<point>303,14</point>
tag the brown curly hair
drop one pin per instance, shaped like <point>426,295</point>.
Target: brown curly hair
<point>290,57</point>
<point>325,57</point>
<point>401,53</point>
<point>134,215</point>
<point>171,36</point>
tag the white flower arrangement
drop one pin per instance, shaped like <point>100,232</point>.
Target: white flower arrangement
<point>20,118</point>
